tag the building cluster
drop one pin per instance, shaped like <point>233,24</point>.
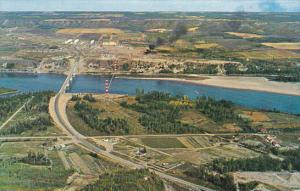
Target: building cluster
<point>272,140</point>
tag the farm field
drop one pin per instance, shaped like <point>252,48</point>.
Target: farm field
<point>269,54</point>
<point>271,120</point>
<point>184,149</point>
<point>90,31</point>
<point>245,35</point>
<point>162,142</point>
<point>284,45</point>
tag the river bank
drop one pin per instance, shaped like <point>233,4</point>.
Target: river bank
<point>234,82</point>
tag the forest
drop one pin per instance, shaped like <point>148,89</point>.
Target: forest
<point>8,105</point>
<point>36,109</point>
<point>158,115</point>
<point>109,126</point>
<point>161,112</point>
<point>221,112</point>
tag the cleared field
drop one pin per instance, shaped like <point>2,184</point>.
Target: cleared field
<point>206,45</point>
<point>200,141</point>
<point>284,45</point>
<point>208,154</point>
<point>281,120</point>
<point>158,30</point>
<point>89,31</point>
<point>268,54</point>
<point>79,164</point>
<point>193,29</point>
<point>199,120</point>
<point>256,116</point>
<point>162,142</point>
<point>245,35</point>
<point>165,49</point>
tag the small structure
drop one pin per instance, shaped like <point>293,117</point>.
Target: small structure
<point>141,151</point>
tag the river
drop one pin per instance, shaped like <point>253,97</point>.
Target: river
<point>95,84</point>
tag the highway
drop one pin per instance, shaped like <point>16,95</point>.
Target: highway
<point>58,106</point>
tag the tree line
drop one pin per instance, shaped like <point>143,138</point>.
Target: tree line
<point>36,159</point>
<point>222,111</point>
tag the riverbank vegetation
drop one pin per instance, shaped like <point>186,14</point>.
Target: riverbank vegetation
<point>161,113</point>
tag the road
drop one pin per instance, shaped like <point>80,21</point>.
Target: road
<point>13,115</point>
<point>57,109</point>
<point>175,135</point>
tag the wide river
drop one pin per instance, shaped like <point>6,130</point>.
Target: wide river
<point>95,84</point>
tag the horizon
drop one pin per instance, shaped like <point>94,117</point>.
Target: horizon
<point>276,6</point>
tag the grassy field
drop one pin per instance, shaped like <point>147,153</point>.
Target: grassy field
<point>206,45</point>
<point>6,90</point>
<point>207,154</point>
<point>245,35</point>
<point>89,31</point>
<point>162,142</point>
<point>284,45</point>
<point>256,116</point>
<point>268,54</point>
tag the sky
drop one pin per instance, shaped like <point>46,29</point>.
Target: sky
<point>152,5</point>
